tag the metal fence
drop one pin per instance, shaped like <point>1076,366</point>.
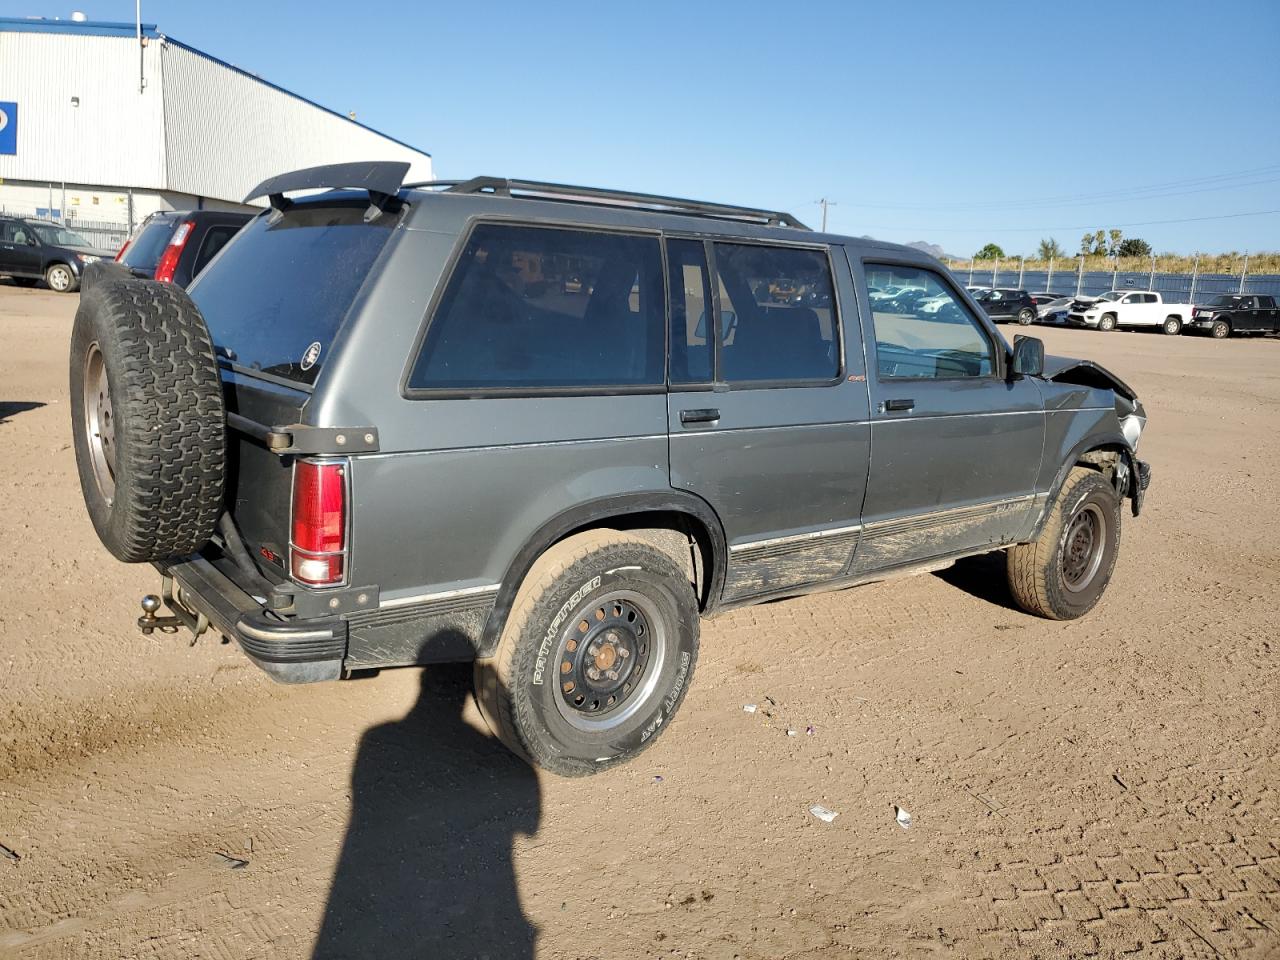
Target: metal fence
<point>1192,287</point>
<point>102,234</point>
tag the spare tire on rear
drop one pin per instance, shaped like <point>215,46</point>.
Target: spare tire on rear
<point>102,270</point>
<point>147,419</point>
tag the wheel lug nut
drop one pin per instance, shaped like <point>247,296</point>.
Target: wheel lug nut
<point>623,652</point>
<point>593,673</point>
<point>612,674</point>
<point>592,650</point>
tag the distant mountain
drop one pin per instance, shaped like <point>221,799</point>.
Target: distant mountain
<point>930,248</point>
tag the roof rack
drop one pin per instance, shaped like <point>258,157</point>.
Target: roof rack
<point>534,189</point>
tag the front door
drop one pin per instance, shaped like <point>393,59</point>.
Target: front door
<point>767,414</point>
<point>956,446</point>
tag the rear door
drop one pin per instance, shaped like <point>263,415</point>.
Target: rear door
<point>1269,313</point>
<point>956,445</point>
<point>767,410</point>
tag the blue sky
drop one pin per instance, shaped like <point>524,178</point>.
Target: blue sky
<point>953,123</point>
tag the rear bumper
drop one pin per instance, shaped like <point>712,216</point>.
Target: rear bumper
<point>290,650</point>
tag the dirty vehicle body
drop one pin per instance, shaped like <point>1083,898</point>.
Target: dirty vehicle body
<point>546,429</point>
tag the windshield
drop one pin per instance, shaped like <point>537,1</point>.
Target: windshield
<point>145,250</point>
<point>57,236</point>
<point>277,294</point>
<point>1112,295</point>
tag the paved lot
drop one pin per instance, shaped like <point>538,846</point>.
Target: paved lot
<point>1095,788</point>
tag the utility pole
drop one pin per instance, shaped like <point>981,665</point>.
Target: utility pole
<point>1243,271</point>
<point>824,203</point>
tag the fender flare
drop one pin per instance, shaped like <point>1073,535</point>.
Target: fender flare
<point>594,512</point>
<point>1109,440</point>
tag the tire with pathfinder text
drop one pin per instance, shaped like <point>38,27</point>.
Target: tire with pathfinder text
<point>147,419</point>
<point>596,655</point>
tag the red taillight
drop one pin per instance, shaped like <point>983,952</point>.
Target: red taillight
<point>318,544</point>
<point>169,259</point>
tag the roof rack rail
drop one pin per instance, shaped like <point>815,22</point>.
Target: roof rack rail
<point>535,189</point>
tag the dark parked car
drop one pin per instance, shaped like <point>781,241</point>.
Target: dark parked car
<point>1004,304</point>
<point>35,250</point>
<point>174,246</point>
<point>1224,315</point>
<point>545,429</point>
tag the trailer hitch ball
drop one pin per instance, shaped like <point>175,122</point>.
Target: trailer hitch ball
<point>149,622</point>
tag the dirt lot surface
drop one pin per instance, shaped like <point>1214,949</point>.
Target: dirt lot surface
<point>1103,787</point>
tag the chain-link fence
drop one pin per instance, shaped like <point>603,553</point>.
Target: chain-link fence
<point>1193,287</point>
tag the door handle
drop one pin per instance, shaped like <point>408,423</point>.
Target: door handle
<point>705,415</point>
<point>905,404</point>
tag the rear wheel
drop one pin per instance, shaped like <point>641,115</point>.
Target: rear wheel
<point>1107,323</point>
<point>1063,573</point>
<point>60,278</point>
<point>1026,315</point>
<point>1172,326</point>
<point>596,655</point>
<point>1221,330</point>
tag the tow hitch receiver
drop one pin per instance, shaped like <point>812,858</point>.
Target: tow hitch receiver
<point>148,623</point>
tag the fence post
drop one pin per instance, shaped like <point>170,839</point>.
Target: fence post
<point>1022,262</point>
<point>1151,283</point>
<point>1080,275</point>
<point>995,272</point>
<point>1243,271</point>
<point>1115,272</point>
<point>971,272</point>
<point>1048,286</point>
<point>1195,275</point>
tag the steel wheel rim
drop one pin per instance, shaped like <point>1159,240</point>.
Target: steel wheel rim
<point>59,278</point>
<point>620,620</point>
<point>99,423</point>
<point>1082,547</point>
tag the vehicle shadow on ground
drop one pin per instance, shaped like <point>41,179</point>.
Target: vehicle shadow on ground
<point>11,408</point>
<point>426,867</point>
<point>983,577</point>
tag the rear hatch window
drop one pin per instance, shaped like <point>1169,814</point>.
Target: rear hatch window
<point>276,297</point>
<point>144,251</point>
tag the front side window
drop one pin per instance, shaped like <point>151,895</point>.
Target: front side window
<point>777,314</point>
<point>933,337</point>
<point>538,307</point>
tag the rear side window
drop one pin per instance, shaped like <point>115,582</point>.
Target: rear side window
<point>536,307</point>
<point>777,319</point>
<point>215,238</point>
<point>145,250</point>
<point>276,298</point>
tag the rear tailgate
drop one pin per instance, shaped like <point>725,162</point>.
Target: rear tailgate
<point>274,300</point>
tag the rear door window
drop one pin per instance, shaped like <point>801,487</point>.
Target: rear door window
<point>215,238</point>
<point>548,308</point>
<point>145,250</point>
<point>276,298</point>
<point>778,318</point>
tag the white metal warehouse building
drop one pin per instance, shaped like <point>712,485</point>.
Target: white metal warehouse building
<point>102,124</point>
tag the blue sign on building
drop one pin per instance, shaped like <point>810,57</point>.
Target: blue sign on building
<point>8,128</point>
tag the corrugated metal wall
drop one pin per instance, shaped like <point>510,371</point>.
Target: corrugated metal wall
<point>226,132</point>
<point>114,137</point>
<point>200,127</point>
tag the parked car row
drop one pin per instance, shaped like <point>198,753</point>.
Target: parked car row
<point>172,246</point>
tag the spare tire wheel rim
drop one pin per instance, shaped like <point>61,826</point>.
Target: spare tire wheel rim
<point>1083,547</point>
<point>608,661</point>
<point>99,422</point>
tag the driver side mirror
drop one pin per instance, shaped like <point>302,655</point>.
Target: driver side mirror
<point>32,241</point>
<point>1028,357</point>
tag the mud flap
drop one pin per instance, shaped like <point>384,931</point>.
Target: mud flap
<point>1138,480</point>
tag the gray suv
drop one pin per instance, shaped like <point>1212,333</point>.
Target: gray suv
<point>546,429</point>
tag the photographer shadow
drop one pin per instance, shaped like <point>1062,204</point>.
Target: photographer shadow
<point>426,867</point>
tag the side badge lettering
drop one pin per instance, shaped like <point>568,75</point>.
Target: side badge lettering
<point>311,356</point>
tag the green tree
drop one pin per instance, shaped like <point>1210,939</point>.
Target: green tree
<point>1099,243</point>
<point>1049,249</point>
<point>1113,247</point>
<point>1086,244</point>
<point>1134,247</point>
<point>991,251</point>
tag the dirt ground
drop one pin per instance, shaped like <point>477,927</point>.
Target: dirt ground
<point>1102,787</point>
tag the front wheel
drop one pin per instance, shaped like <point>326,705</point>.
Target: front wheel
<point>1025,316</point>
<point>1172,326</point>
<point>1062,574</point>
<point>1221,329</point>
<point>60,278</point>
<point>596,655</point>
<point>1107,323</point>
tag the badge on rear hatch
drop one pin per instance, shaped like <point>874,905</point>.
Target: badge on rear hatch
<point>311,356</point>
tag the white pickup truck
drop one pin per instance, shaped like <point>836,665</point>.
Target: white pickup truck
<point>1130,308</point>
